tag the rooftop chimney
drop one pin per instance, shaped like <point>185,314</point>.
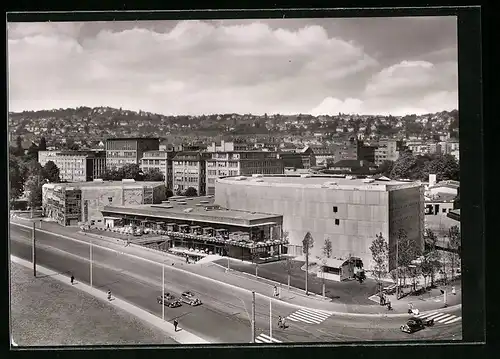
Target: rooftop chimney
<point>432,180</point>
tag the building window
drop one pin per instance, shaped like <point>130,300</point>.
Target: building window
<point>337,222</point>
<point>335,209</point>
<point>110,199</point>
<point>444,210</point>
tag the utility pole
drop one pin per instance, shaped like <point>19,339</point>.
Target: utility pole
<point>163,291</point>
<point>271,318</point>
<point>397,267</point>
<point>33,249</point>
<point>307,267</point>
<point>91,263</point>
<point>253,317</point>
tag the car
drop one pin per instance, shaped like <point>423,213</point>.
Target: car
<point>415,324</point>
<point>189,298</point>
<point>169,300</point>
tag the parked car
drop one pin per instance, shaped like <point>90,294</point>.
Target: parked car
<point>169,300</point>
<point>415,324</point>
<point>189,298</point>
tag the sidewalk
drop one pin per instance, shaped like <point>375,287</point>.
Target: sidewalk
<point>180,336</point>
<point>295,297</point>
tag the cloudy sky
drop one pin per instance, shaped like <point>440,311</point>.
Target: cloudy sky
<point>319,66</point>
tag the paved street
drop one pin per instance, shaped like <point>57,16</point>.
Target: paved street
<point>224,316</point>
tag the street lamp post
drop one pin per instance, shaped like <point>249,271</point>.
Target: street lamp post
<point>33,249</point>
<point>253,317</point>
<point>91,282</point>
<point>163,290</point>
<point>270,319</point>
<point>397,268</point>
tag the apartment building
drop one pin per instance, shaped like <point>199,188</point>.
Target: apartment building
<point>76,166</point>
<point>124,151</point>
<point>162,161</point>
<point>189,170</point>
<point>232,159</point>
<point>388,150</point>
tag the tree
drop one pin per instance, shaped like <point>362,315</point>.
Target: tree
<point>326,253</point>
<point>130,171</point>
<point>111,174</point>
<point>32,152</point>
<point>15,179</point>
<point>406,166</point>
<point>455,246</point>
<point>51,172</point>
<point>34,189</point>
<point>190,192</point>
<point>385,168</point>
<point>407,252</point>
<point>380,257</point>
<point>307,244</point>
<point>42,146</point>
<point>431,258</point>
<point>19,146</point>
<point>444,166</point>
<point>168,193</point>
<point>154,175</point>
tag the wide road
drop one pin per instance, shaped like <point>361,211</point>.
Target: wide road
<point>224,316</point>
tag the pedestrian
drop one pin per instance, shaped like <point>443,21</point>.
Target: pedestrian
<point>283,322</point>
<point>275,291</point>
<point>176,323</point>
<point>72,278</point>
<point>187,259</point>
<point>453,291</point>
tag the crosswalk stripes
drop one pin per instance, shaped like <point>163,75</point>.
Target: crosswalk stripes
<point>263,338</point>
<point>309,316</point>
<point>442,318</point>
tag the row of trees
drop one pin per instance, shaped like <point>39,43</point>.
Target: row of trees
<point>133,171</point>
<point>412,262</point>
<point>26,175</point>
<point>418,167</point>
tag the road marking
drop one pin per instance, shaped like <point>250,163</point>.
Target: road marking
<point>263,338</point>
<point>309,316</point>
<point>453,320</point>
<point>442,318</point>
<point>425,315</point>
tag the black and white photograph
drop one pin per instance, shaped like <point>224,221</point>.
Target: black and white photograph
<point>260,181</point>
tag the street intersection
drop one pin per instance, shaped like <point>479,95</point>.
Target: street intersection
<point>225,315</point>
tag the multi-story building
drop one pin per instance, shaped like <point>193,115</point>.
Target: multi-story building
<point>162,161</point>
<point>189,170</point>
<point>348,211</point>
<point>324,155</point>
<point>348,150</point>
<point>300,159</point>
<point>230,159</point>
<point>388,150</point>
<point>365,152</point>
<point>76,166</point>
<point>69,204</point>
<point>124,151</point>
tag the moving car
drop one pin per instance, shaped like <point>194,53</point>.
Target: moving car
<point>170,300</point>
<point>415,324</point>
<point>189,298</point>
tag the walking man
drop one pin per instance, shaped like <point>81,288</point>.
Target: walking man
<point>176,323</point>
<point>453,291</point>
<point>72,279</point>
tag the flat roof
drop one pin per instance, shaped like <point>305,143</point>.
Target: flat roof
<point>132,138</point>
<point>316,181</point>
<point>104,184</point>
<point>196,213</point>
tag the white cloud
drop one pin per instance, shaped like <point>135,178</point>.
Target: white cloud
<point>209,67</point>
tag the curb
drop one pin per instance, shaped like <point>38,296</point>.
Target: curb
<point>345,314</point>
<point>183,337</point>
